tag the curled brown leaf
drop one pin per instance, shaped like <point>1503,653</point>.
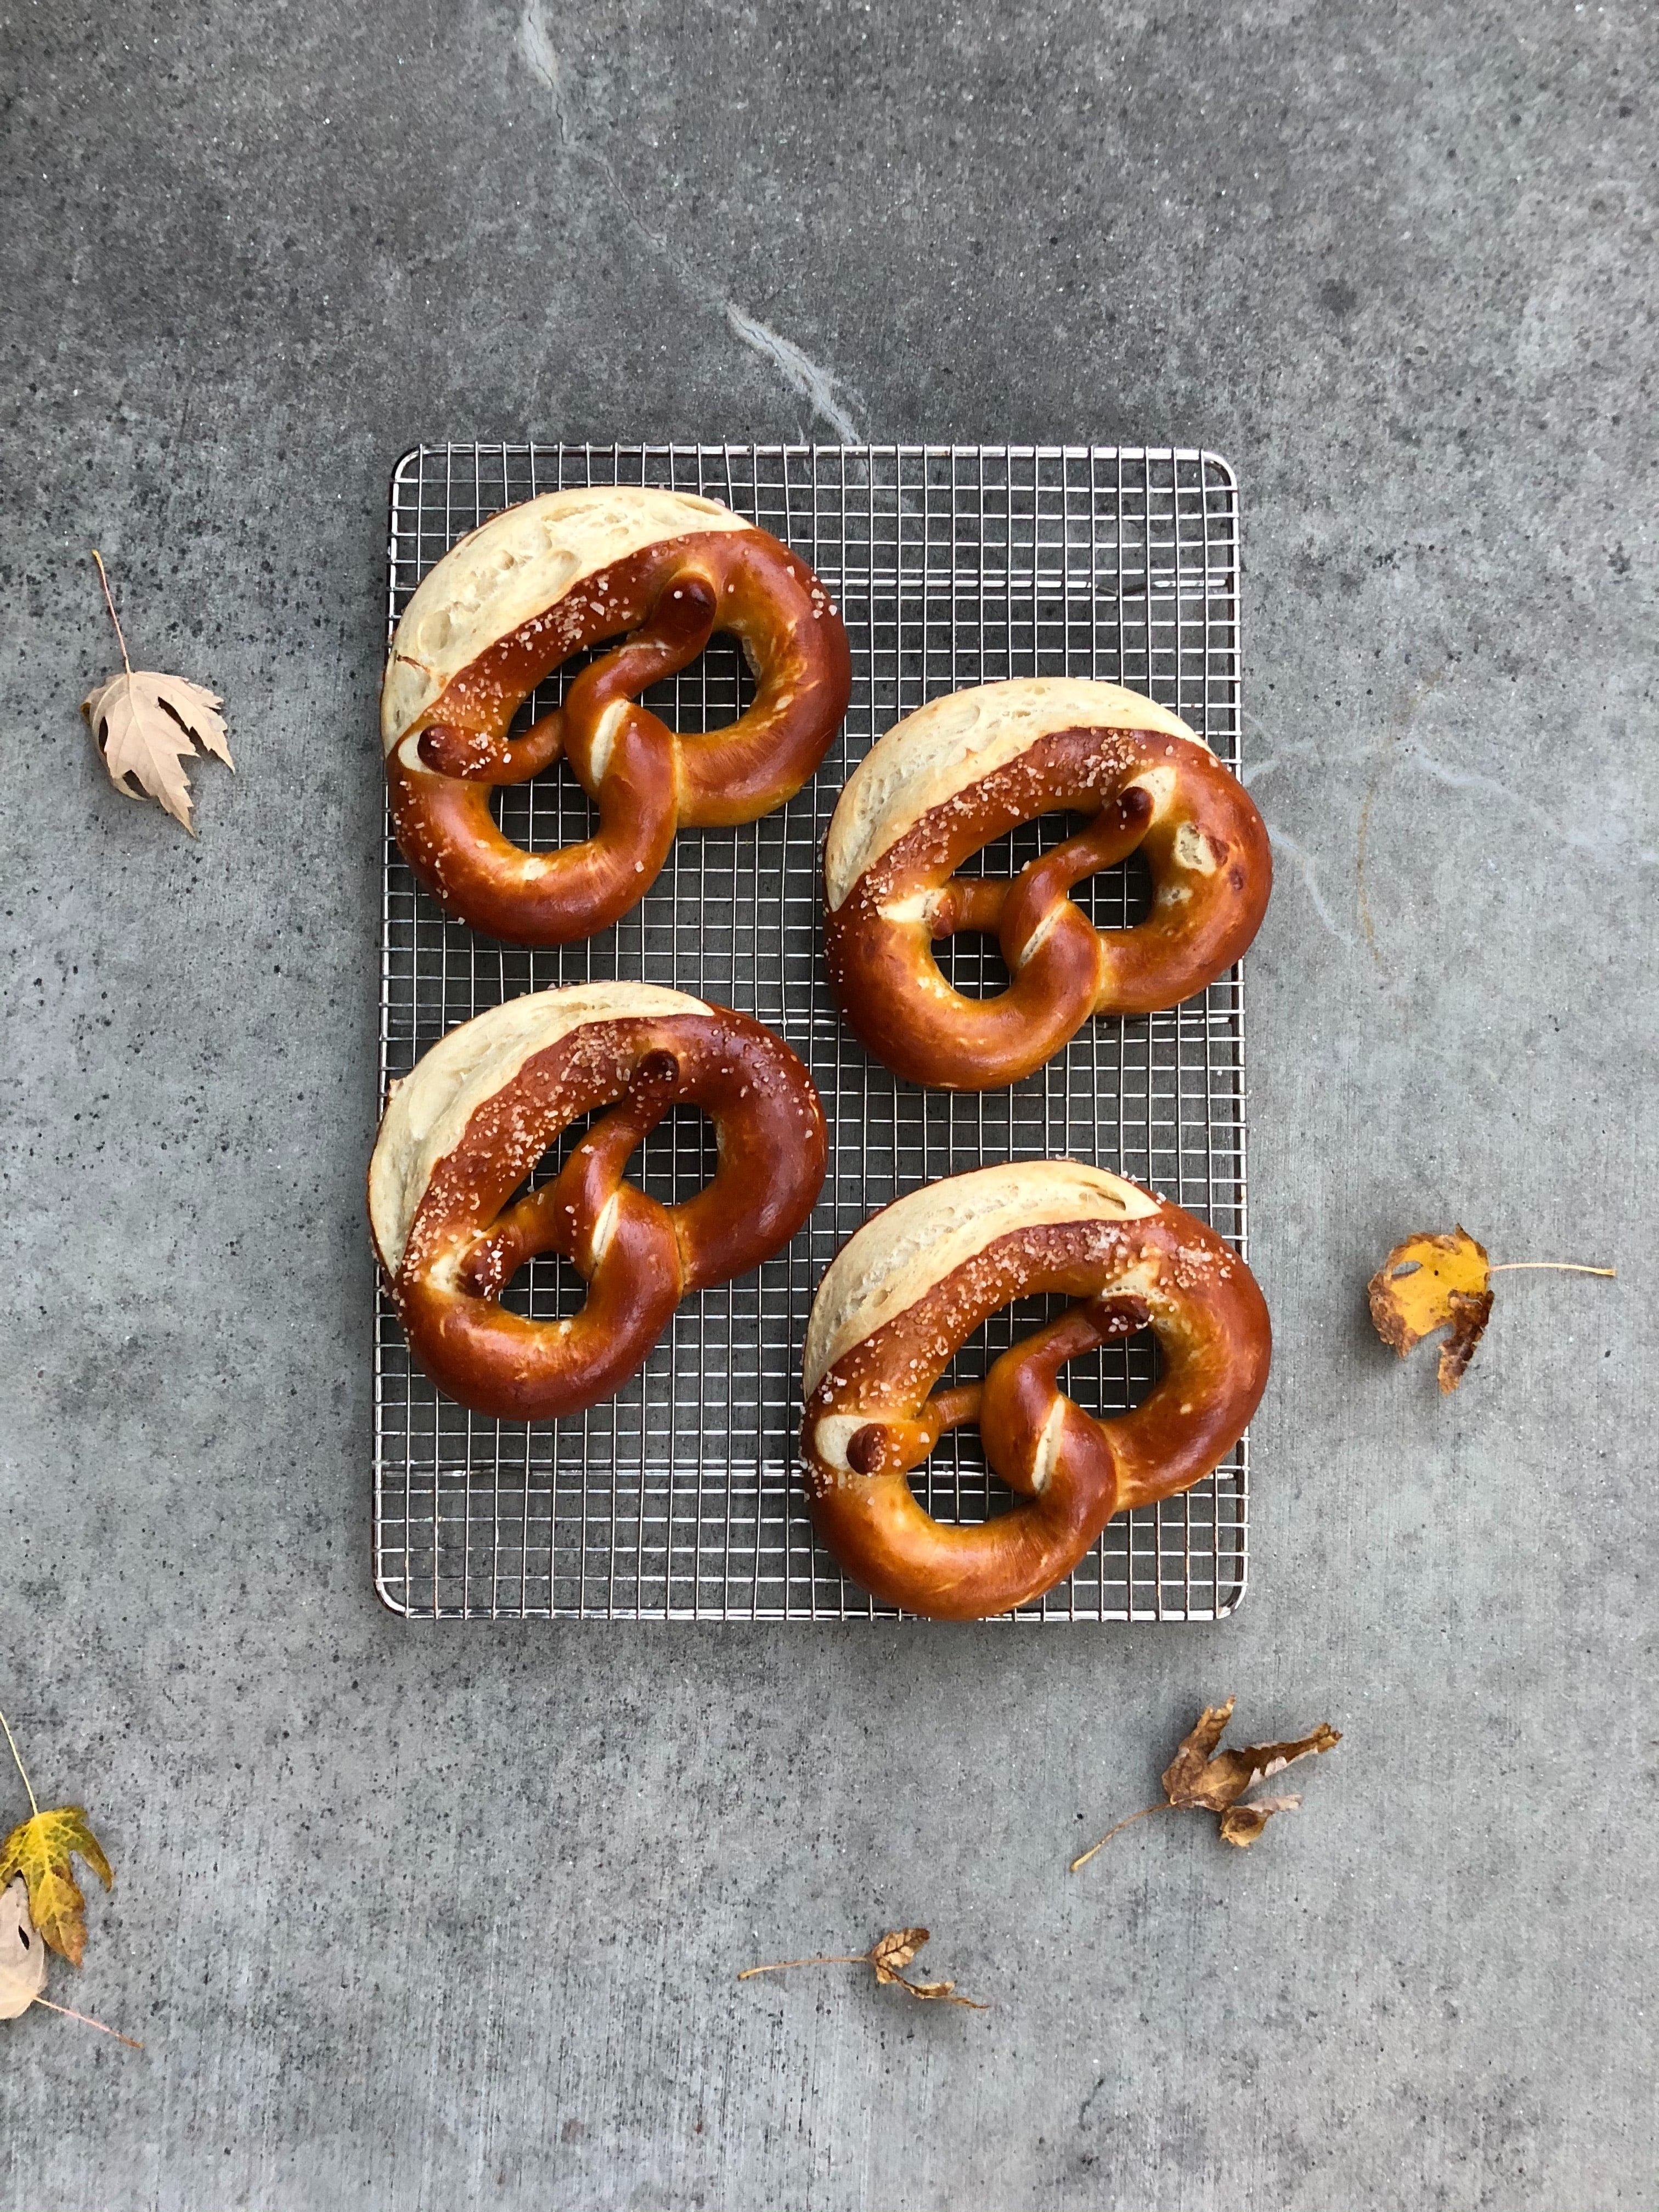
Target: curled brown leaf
<point>895,1951</point>
<point>887,1956</point>
<point>1215,1783</point>
<point>1201,1778</point>
<point>1243,1823</point>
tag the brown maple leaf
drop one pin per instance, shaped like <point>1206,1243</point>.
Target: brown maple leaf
<point>1201,1778</point>
<point>1200,1774</point>
<point>889,1955</point>
<point>147,725</point>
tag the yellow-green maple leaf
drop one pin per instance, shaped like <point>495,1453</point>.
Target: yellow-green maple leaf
<point>41,1849</point>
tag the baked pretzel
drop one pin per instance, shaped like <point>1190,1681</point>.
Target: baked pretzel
<point>510,603</point>
<point>959,772</point>
<point>462,1131</point>
<point>905,1293</point>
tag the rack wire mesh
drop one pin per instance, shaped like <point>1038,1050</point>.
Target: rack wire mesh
<point>951,566</point>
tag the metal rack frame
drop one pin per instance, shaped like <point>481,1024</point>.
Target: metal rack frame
<point>951,565</point>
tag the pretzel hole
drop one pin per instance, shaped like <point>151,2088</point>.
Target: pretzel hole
<point>955,1483</point>
<point>546,1288</point>
<point>1118,897</point>
<point>716,688</point>
<point>677,1158</point>
<point>549,810</point>
<point>971,963</point>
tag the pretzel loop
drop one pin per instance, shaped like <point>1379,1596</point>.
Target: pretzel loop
<point>914,1284</point>
<point>503,610</point>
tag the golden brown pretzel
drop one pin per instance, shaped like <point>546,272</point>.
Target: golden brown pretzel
<point>462,1131</point>
<point>905,1293</point>
<point>947,779</point>
<point>507,605</point>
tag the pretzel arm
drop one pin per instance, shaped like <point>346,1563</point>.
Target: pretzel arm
<point>966,903</point>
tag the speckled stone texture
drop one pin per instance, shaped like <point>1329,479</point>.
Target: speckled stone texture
<point>413,1918</point>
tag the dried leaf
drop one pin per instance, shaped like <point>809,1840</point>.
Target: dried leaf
<point>145,723</point>
<point>1434,1282</point>
<point>41,1849</point>
<point>1203,1779</point>
<point>1185,1772</point>
<point>888,1956</point>
<point>1243,1823</point>
<point>895,1951</point>
<point>22,1954</point>
<point>1193,1778</point>
<point>1470,1314</point>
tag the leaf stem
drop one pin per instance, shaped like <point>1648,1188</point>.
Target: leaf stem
<point>867,1959</point>
<point>18,1756</point>
<point>86,2021</point>
<point>1563,1267</point>
<point>127,664</point>
<point>833,1958</point>
<point>1118,1831</point>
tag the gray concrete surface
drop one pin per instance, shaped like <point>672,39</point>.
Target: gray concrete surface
<point>411,1918</point>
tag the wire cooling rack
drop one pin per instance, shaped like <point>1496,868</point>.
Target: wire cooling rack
<point>951,566</point>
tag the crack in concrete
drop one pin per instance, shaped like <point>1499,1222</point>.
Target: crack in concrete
<point>1607,848</point>
<point>817,385</point>
<point>1283,840</point>
<point>803,375</point>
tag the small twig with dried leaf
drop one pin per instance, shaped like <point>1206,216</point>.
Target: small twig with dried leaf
<point>1432,1282</point>
<point>1202,1779</point>
<point>889,1956</point>
<point>146,725</point>
<point>41,1902</point>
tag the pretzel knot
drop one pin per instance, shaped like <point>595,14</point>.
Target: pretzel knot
<point>910,1287</point>
<point>945,781</point>
<point>463,1132</point>
<point>507,606</point>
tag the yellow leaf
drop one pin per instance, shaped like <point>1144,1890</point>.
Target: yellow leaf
<point>1434,1282</point>
<point>41,1849</point>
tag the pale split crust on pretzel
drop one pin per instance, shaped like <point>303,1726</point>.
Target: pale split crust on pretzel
<point>901,1253</point>
<point>516,567</point>
<point>428,1112</point>
<point>910,1289</point>
<point>958,741</point>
